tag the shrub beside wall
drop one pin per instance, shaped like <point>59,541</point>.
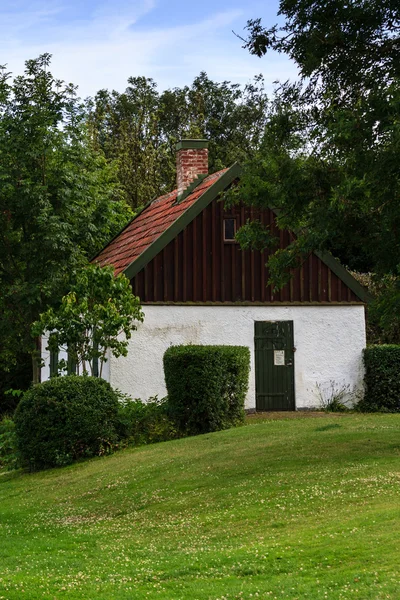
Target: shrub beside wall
<point>206,386</point>
<point>382,378</point>
<point>144,422</point>
<point>64,419</point>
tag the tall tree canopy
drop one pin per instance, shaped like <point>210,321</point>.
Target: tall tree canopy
<point>329,157</point>
<point>345,44</point>
<point>140,127</point>
<point>60,201</point>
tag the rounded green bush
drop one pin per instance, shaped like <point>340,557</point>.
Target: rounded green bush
<point>206,386</point>
<point>64,419</point>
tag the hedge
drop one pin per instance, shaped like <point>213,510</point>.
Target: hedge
<point>64,419</point>
<point>206,386</point>
<point>382,378</point>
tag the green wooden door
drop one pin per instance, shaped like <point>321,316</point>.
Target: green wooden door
<point>274,363</point>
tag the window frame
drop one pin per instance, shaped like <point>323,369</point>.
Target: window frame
<point>229,240</point>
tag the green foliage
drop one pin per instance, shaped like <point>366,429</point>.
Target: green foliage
<point>144,422</point>
<point>335,397</point>
<point>385,311</point>
<point>340,42</point>
<point>336,406</point>
<point>9,454</point>
<point>91,318</point>
<point>329,158</point>
<point>382,379</point>
<point>64,419</point>
<point>60,200</point>
<point>126,128</point>
<point>206,386</point>
<point>254,235</point>
<point>382,315</point>
<point>140,127</point>
<point>12,379</point>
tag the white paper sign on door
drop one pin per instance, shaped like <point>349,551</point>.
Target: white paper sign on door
<point>279,358</point>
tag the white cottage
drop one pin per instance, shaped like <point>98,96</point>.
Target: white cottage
<point>198,287</point>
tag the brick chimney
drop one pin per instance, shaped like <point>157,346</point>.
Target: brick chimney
<point>191,161</point>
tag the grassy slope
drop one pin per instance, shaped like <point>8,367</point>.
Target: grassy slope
<point>304,508</point>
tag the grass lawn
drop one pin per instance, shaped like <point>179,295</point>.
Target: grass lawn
<point>288,508</point>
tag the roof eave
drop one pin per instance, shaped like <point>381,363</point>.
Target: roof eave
<point>135,216</point>
<point>334,265</point>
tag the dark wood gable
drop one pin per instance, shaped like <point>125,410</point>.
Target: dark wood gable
<point>200,266</point>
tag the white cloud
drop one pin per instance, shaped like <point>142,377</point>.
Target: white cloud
<point>107,48</point>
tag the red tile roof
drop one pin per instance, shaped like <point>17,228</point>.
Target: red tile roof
<point>144,229</point>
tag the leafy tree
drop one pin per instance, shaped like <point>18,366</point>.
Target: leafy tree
<point>140,127</point>
<point>92,318</point>
<point>126,127</point>
<point>59,201</point>
<point>345,44</point>
<point>329,157</point>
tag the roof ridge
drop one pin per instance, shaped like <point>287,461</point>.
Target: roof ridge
<point>175,191</point>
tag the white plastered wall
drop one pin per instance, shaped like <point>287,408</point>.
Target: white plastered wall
<point>328,341</point>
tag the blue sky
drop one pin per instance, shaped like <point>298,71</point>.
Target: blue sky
<point>99,44</point>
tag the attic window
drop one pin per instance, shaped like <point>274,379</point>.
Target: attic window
<point>229,230</point>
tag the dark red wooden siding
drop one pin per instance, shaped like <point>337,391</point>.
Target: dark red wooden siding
<point>198,266</point>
